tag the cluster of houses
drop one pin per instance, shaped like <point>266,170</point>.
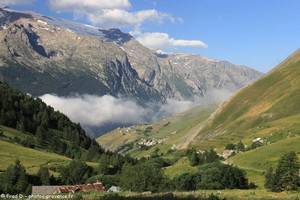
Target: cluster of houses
<point>124,131</point>
<point>67,189</point>
<point>149,142</point>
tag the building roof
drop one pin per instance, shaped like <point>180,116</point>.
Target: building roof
<point>46,190</point>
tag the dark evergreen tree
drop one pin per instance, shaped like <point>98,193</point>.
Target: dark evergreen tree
<point>269,179</point>
<point>75,172</point>
<point>44,175</point>
<point>240,146</point>
<point>187,182</point>
<point>194,159</point>
<point>230,146</point>
<point>15,180</point>
<point>287,173</point>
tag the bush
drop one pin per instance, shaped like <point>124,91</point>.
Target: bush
<point>144,176</point>
<point>202,158</point>
<point>186,182</point>
<point>1,132</point>
<point>220,176</point>
<point>76,172</point>
<point>230,146</point>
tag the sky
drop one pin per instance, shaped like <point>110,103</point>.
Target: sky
<point>256,33</point>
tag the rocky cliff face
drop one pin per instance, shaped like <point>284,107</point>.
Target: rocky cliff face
<point>184,76</point>
<point>43,55</point>
<point>38,57</point>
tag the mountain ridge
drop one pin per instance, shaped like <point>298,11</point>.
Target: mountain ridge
<point>139,72</point>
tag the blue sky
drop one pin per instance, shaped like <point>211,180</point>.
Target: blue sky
<point>255,33</point>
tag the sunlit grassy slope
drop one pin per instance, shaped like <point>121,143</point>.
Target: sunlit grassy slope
<point>32,159</point>
<point>268,108</point>
<point>257,161</point>
<point>178,131</point>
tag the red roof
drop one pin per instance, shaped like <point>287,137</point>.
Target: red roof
<point>91,187</point>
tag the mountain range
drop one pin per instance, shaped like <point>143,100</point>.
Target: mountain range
<point>40,55</point>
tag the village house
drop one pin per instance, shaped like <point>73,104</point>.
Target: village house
<point>227,153</point>
<point>48,190</point>
<point>260,140</point>
<point>114,189</point>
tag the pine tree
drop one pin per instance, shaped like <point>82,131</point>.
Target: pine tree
<point>287,173</point>
<point>194,158</point>
<point>240,146</point>
<point>230,146</point>
<point>15,180</point>
<point>41,133</point>
<point>269,179</point>
<point>44,175</point>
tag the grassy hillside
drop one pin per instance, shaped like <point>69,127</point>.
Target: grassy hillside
<point>269,108</point>
<point>31,158</point>
<point>180,167</point>
<point>257,161</point>
<point>45,128</point>
<point>176,131</point>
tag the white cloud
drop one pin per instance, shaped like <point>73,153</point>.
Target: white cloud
<point>96,113</point>
<point>88,5</point>
<point>14,2</point>
<point>157,40</point>
<point>119,18</point>
<point>92,110</point>
<point>109,13</point>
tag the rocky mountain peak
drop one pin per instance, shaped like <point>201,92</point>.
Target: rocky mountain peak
<point>108,61</point>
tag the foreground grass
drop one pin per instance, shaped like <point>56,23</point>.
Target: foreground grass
<point>257,194</point>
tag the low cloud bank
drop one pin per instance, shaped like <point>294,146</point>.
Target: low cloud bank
<point>92,110</point>
<point>95,112</point>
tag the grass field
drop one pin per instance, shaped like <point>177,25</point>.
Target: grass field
<point>257,161</point>
<point>254,162</point>
<point>228,194</point>
<point>180,167</point>
<point>31,159</point>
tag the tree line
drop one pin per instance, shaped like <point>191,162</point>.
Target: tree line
<point>46,128</point>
